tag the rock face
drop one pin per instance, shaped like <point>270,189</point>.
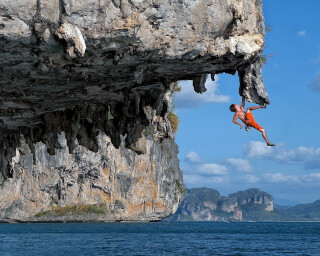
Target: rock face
<point>91,68</point>
<point>204,204</point>
<point>127,186</point>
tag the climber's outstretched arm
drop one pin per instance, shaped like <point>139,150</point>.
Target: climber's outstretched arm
<point>243,101</point>
<point>254,108</point>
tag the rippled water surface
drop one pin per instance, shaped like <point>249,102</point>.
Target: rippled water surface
<point>160,239</point>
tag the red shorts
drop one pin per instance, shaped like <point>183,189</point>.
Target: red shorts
<point>249,121</point>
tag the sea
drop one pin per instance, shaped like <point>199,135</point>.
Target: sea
<point>160,238</point>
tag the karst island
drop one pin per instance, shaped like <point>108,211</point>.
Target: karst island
<point>86,129</point>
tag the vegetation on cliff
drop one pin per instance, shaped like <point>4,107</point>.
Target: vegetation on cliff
<point>174,121</point>
<point>74,210</point>
<point>309,211</point>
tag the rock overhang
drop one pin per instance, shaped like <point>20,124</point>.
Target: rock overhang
<point>67,64</point>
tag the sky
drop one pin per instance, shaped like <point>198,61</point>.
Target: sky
<point>215,153</point>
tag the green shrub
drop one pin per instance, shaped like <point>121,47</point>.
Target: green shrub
<point>174,121</point>
<point>75,210</point>
<point>181,188</point>
<point>54,202</point>
<point>265,58</point>
<point>148,131</point>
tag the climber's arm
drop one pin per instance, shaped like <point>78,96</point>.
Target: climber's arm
<point>235,120</point>
<point>243,101</point>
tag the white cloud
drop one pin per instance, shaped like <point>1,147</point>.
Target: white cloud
<point>303,153</point>
<point>258,149</point>
<point>205,174</point>
<point>251,178</point>
<point>234,172</point>
<point>212,169</point>
<point>198,180</point>
<point>241,165</point>
<point>312,178</point>
<point>192,157</point>
<point>279,177</point>
<point>301,33</point>
<point>315,84</point>
<point>308,156</point>
<point>188,98</point>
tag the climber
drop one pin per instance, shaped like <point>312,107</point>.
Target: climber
<point>248,119</point>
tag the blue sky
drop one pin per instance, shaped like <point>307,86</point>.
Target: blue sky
<point>215,153</point>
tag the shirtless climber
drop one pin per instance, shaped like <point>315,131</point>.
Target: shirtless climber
<point>248,119</point>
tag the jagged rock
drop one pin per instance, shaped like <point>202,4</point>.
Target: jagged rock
<point>14,29</point>
<point>66,66</point>
<point>72,35</point>
<point>49,10</point>
<point>251,84</point>
<point>198,83</point>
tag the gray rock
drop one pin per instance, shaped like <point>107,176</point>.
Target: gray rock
<point>68,66</point>
<point>199,83</point>
<point>57,57</point>
<point>121,184</point>
<point>72,35</point>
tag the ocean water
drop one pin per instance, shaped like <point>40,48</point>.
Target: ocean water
<point>192,238</point>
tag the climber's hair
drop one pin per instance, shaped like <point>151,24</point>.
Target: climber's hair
<point>232,108</point>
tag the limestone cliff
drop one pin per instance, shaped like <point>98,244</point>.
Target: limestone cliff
<point>126,186</point>
<point>77,75</point>
<point>204,204</point>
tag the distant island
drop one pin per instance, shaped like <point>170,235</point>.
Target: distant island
<point>206,204</point>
